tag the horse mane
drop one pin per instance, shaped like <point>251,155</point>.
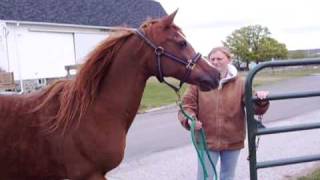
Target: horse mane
<point>76,95</point>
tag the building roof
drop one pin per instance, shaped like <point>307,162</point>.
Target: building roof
<point>82,12</point>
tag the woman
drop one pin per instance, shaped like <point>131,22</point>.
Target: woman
<point>221,113</point>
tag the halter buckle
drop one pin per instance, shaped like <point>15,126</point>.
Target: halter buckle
<point>190,64</point>
<point>159,51</point>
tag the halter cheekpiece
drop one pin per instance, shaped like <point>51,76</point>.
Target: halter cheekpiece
<point>160,51</point>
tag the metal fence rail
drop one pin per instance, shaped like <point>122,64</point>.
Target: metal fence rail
<point>253,131</point>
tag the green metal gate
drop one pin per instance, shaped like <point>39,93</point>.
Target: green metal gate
<point>253,131</point>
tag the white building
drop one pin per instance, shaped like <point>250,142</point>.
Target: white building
<point>41,50</point>
<point>39,38</point>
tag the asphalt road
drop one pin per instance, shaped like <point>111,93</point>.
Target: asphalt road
<point>160,130</point>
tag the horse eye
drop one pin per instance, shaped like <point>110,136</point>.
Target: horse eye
<point>183,44</point>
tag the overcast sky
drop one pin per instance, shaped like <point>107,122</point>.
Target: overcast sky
<point>207,22</point>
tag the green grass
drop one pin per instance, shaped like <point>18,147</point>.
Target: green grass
<point>158,94</point>
<point>313,176</point>
<point>269,76</point>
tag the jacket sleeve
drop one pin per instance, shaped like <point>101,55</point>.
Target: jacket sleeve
<point>189,104</point>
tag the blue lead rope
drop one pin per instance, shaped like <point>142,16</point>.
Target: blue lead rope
<point>200,145</point>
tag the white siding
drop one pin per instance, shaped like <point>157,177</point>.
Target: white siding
<point>3,49</point>
<point>34,55</point>
<point>85,43</point>
<point>40,51</point>
<point>44,54</point>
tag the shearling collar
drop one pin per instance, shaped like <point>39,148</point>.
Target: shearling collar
<point>231,74</point>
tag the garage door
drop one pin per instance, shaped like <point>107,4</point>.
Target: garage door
<point>44,54</point>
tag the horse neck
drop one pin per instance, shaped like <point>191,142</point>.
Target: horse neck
<point>14,111</point>
<point>124,84</point>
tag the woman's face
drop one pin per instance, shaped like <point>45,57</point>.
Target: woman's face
<point>219,60</point>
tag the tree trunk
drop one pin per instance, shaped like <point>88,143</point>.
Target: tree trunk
<point>247,64</point>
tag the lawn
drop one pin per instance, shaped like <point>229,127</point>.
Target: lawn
<point>269,75</point>
<point>158,94</point>
<point>313,176</point>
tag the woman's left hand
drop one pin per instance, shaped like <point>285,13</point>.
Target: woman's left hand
<point>262,94</point>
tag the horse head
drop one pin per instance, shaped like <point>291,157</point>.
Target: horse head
<point>175,57</point>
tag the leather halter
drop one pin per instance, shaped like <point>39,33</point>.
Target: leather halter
<point>160,51</point>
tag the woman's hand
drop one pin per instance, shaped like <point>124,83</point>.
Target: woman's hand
<point>262,95</point>
<point>187,123</point>
<point>198,124</point>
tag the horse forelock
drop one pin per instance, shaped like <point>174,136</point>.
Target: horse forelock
<point>148,23</point>
<point>75,96</point>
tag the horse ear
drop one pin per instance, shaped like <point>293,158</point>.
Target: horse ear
<point>168,20</point>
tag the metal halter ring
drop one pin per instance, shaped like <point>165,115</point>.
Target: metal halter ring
<point>190,64</point>
<point>159,51</point>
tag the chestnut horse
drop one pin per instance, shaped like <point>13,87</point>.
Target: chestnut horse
<point>76,129</point>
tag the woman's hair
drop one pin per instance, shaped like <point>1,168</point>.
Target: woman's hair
<point>224,50</point>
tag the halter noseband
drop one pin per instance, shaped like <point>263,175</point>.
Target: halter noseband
<point>160,51</point>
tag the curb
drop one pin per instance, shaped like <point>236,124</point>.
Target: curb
<point>159,108</point>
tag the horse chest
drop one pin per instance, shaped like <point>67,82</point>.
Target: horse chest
<point>89,150</point>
